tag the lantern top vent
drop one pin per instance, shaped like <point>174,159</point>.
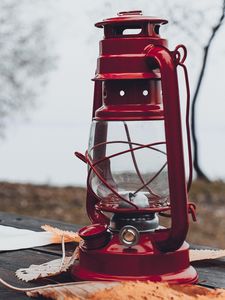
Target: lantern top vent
<point>122,50</point>
<point>131,19</point>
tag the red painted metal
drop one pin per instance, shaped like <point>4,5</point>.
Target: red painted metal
<point>94,236</point>
<point>141,262</point>
<point>129,64</point>
<point>92,231</point>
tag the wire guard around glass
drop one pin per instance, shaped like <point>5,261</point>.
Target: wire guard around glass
<point>127,191</point>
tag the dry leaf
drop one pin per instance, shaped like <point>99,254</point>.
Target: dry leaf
<point>157,291</point>
<point>99,290</point>
<point>69,291</point>
<point>51,268</point>
<point>205,254</point>
<point>64,291</point>
<point>69,236</point>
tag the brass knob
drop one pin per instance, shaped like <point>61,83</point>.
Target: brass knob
<point>129,236</point>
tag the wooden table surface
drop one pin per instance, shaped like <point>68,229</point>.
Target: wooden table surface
<point>211,272</point>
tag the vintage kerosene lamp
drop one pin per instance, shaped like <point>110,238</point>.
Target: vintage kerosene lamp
<point>136,170</point>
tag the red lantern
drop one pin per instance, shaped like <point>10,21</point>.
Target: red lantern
<point>135,159</point>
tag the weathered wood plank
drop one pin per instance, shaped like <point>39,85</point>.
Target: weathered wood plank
<point>33,223</point>
<point>13,295</point>
<point>211,272</point>
<point>12,261</point>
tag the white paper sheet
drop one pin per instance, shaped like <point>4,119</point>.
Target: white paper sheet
<point>12,238</point>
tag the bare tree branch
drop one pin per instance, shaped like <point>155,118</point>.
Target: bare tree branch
<point>199,172</point>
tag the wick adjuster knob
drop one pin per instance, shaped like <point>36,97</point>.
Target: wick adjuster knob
<point>94,236</point>
<point>129,236</point>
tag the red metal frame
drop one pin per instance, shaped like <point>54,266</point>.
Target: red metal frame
<point>173,131</point>
<point>141,262</point>
<point>123,60</point>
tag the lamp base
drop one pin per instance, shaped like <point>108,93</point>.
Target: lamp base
<point>187,276</point>
<point>115,262</point>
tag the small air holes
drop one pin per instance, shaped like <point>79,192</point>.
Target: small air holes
<point>104,94</point>
<point>145,93</point>
<point>122,93</point>
<point>156,29</point>
<point>132,31</point>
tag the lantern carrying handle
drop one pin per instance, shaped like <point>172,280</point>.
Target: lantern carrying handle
<point>180,62</point>
<point>173,131</point>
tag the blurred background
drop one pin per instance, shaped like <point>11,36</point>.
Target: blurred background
<point>47,59</point>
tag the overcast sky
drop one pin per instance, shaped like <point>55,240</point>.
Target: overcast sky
<point>40,149</point>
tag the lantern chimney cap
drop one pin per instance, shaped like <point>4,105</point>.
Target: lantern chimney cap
<point>131,12</point>
<point>135,16</point>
